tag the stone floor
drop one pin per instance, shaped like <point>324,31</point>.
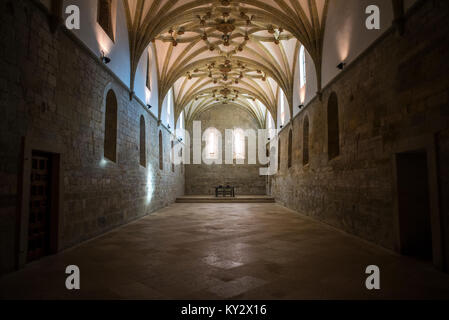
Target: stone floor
<point>226,251</point>
<point>236,199</point>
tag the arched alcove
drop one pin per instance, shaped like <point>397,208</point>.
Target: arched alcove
<point>110,132</point>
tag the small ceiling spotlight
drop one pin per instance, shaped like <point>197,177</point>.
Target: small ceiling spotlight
<point>341,65</point>
<point>168,126</point>
<point>282,126</point>
<point>301,106</point>
<point>105,59</point>
<point>269,139</point>
<point>149,106</point>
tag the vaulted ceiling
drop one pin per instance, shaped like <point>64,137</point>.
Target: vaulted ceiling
<point>224,51</point>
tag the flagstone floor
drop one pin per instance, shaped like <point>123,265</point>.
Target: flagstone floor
<point>226,251</point>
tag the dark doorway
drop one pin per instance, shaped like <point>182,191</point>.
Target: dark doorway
<point>413,205</point>
<point>42,227</point>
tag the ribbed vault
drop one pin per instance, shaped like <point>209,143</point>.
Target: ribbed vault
<point>225,51</point>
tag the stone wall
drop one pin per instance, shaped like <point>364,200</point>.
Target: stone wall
<point>443,175</point>
<point>52,92</point>
<point>390,98</point>
<point>202,179</point>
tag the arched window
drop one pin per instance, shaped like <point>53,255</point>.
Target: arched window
<point>282,106</point>
<point>239,144</point>
<point>148,82</point>
<point>143,148</point>
<point>333,127</point>
<point>305,144</point>
<point>169,105</point>
<point>161,152</point>
<point>302,67</point>
<point>104,17</point>
<point>110,132</point>
<point>212,145</point>
<point>270,125</point>
<point>180,126</point>
<point>290,148</point>
<point>181,120</point>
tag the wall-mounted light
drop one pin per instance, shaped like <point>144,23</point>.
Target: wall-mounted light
<point>168,126</point>
<point>341,65</point>
<point>282,126</point>
<point>105,59</point>
<point>269,139</point>
<point>301,106</point>
<point>149,106</point>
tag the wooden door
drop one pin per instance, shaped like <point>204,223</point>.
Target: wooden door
<point>40,208</point>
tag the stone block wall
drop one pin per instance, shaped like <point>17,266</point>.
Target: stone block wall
<point>391,97</point>
<point>52,92</point>
<point>202,179</point>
